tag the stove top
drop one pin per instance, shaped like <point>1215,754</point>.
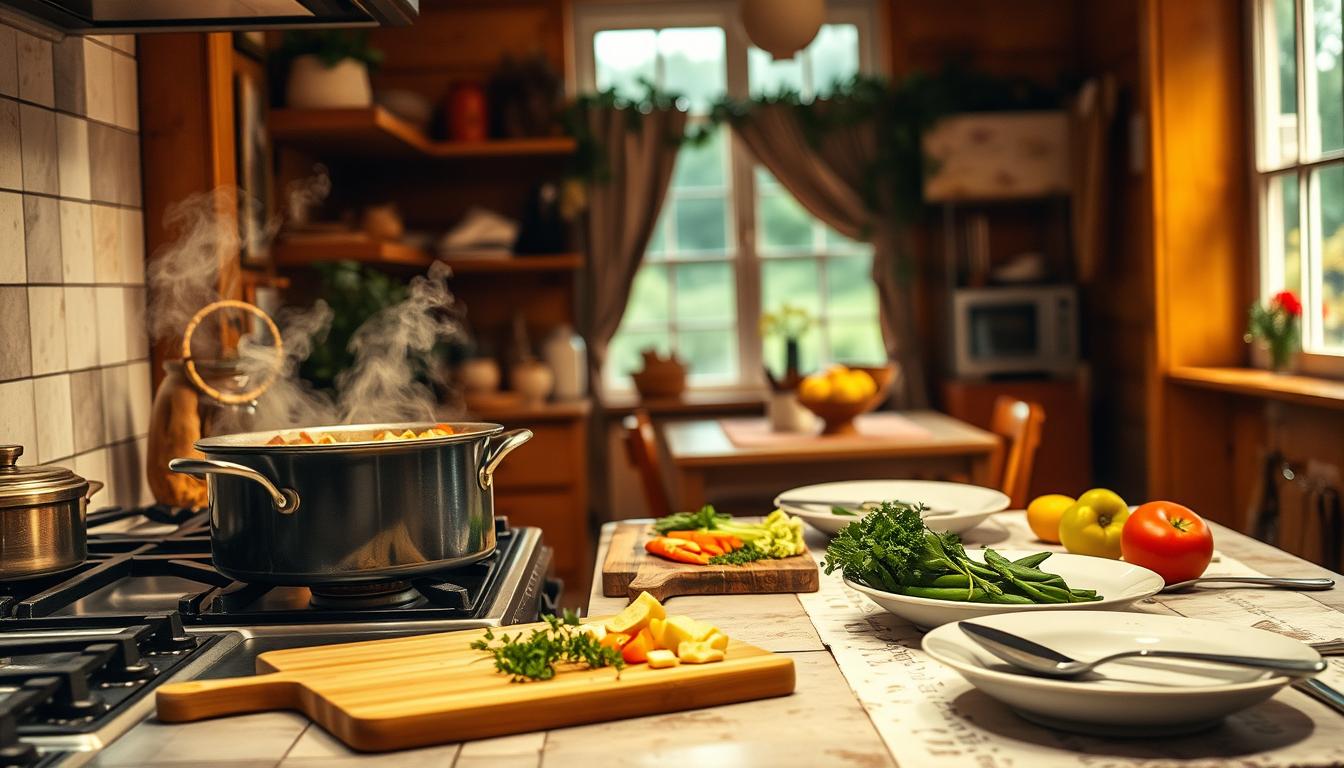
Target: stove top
<point>81,651</point>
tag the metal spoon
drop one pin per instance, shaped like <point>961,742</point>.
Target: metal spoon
<point>1037,659</point>
<point>1264,581</point>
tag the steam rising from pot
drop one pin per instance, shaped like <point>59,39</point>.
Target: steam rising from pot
<point>392,350</point>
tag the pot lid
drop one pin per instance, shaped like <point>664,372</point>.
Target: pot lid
<point>22,486</point>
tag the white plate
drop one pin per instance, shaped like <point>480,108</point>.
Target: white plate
<point>1168,694</point>
<point>971,503</point>
<point>1120,584</point>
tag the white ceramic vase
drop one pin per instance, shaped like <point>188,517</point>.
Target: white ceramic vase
<point>786,414</point>
<point>532,380</point>
<point>567,355</point>
<point>314,85</point>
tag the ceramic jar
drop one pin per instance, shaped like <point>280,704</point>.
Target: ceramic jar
<point>567,355</point>
<point>314,85</point>
<point>532,380</point>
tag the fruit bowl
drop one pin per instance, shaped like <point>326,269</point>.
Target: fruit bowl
<point>837,415</point>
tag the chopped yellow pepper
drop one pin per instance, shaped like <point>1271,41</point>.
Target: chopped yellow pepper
<point>662,658</point>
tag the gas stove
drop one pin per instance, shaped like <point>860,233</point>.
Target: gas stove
<point>82,651</point>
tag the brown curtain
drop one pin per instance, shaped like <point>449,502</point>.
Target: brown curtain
<point>1090,118</point>
<point>638,152</point>
<point>827,176</point>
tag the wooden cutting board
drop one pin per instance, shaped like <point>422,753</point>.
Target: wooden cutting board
<point>629,570</point>
<point>398,693</point>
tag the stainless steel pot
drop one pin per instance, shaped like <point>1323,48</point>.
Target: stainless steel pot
<point>42,512</point>
<point>359,510</point>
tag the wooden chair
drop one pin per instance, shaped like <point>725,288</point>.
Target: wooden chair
<point>641,448</point>
<point>1018,423</point>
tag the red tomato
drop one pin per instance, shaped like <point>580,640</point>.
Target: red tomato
<point>1168,538</point>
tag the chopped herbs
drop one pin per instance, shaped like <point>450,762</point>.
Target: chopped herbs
<point>535,656</point>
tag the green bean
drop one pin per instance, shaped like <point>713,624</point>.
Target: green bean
<point>1006,598</point>
<point>946,593</point>
<point>946,580</point>
<point>1031,561</point>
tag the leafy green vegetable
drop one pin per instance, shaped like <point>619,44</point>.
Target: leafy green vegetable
<point>891,549</point>
<point>706,519</point>
<point>535,657</point>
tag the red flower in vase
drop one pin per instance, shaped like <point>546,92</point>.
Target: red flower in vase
<point>1288,302</point>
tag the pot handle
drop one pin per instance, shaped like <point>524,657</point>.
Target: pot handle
<point>94,487</point>
<point>285,500</point>
<point>496,448</point>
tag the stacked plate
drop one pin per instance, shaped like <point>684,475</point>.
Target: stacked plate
<point>953,507</point>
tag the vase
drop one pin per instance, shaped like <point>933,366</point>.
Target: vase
<point>567,355</point>
<point>532,380</point>
<point>788,415</point>
<point>314,85</point>
<point>1282,356</point>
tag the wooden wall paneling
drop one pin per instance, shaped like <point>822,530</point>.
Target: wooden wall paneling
<point>1194,59</point>
<point>186,139</point>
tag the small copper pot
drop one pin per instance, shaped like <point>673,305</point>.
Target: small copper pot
<point>42,511</point>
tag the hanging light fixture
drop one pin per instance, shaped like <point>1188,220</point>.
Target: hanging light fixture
<point>782,27</point>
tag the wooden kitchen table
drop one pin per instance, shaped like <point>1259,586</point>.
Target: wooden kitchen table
<point>708,465</point>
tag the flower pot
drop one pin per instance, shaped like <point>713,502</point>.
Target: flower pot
<point>314,85</point>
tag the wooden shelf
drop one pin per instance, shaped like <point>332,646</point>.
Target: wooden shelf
<point>375,132</point>
<point>301,253</point>
<point>1254,382</point>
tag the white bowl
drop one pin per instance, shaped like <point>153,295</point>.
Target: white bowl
<point>1132,697</point>
<point>1120,585</point>
<point>970,504</point>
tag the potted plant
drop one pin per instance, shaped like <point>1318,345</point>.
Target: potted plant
<point>786,413</point>
<point>1276,324</point>
<point>329,69</point>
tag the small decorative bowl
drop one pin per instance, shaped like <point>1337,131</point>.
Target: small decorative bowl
<point>837,417</point>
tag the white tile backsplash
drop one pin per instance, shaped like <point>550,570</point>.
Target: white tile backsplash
<point>112,341</point>
<point>18,421</point>
<point>76,242</point>
<point>46,323</point>
<point>131,245</point>
<point>72,156</point>
<point>11,153</point>
<point>74,374</point>
<point>13,256</point>
<point>126,106</point>
<point>106,245</point>
<point>9,61</point>
<point>55,430</point>
<point>117,424</point>
<point>81,326</point>
<point>35,75</point>
<point>99,96</point>
<point>37,131</point>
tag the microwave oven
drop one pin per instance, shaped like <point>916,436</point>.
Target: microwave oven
<point>1018,330</point>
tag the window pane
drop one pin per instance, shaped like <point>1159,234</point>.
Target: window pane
<point>625,353</point>
<point>705,293</point>
<point>784,225</point>
<point>1278,83</point>
<point>838,243</point>
<point>693,64</point>
<point>709,355</point>
<point>1329,96</point>
<point>1331,180</point>
<point>849,286</point>
<point>790,281</point>
<point>768,77</point>
<point>834,56</point>
<point>649,297</point>
<point>702,165</point>
<point>625,57</point>
<point>702,224</point>
<point>857,342</point>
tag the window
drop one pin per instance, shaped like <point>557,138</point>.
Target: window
<point>731,242</point>
<point>1299,84</point>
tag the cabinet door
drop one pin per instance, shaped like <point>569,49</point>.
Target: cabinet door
<point>564,526</point>
<point>553,457</point>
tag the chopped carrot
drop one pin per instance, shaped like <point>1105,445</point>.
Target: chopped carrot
<point>277,440</point>
<point>676,550</point>
<point>306,438</point>
<point>637,650</point>
<point>615,640</point>
<point>736,542</point>
<point>445,427</point>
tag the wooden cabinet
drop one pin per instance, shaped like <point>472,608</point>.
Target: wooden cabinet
<point>1064,461</point>
<point>544,483</point>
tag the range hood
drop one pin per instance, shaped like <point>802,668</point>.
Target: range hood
<point>96,17</point>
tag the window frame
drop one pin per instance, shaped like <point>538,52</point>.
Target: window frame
<point>588,18</point>
<point>1266,197</point>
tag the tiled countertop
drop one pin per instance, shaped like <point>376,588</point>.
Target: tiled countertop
<point>822,723</point>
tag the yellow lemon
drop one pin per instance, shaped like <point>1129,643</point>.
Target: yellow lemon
<point>864,381</point>
<point>848,390</point>
<point>815,389</point>
<point>1044,513</point>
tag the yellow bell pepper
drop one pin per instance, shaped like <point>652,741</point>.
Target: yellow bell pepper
<point>1092,525</point>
